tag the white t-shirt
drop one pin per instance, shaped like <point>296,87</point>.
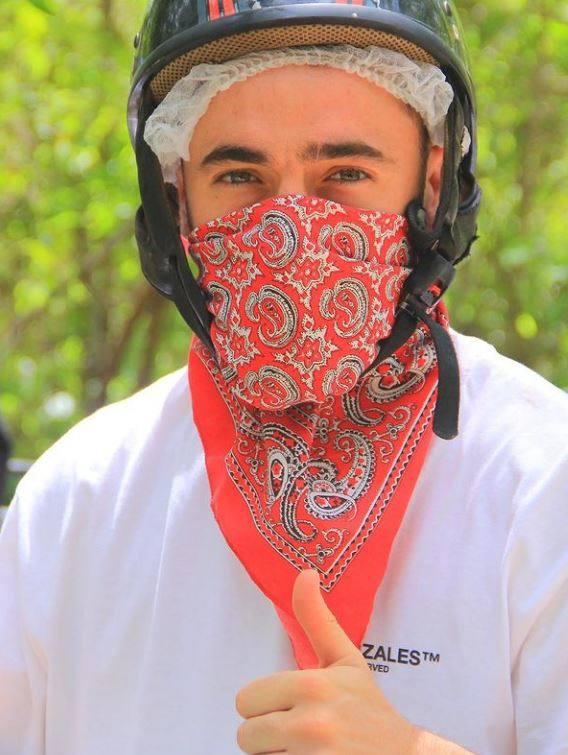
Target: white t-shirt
<point>127,625</point>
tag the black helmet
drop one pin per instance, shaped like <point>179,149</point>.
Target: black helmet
<point>178,34</point>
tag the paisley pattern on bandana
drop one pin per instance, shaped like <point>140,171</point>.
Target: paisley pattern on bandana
<point>321,484</point>
<point>294,287</point>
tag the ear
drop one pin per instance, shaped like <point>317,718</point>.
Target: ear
<point>185,224</point>
<point>433,182</point>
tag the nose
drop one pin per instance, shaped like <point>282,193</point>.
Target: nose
<point>293,182</point>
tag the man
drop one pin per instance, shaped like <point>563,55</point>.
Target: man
<point>158,561</point>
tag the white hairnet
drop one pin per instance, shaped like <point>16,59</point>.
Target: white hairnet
<point>421,85</point>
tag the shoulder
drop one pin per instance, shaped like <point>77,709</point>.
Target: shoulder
<point>515,431</point>
<point>130,439</point>
<point>95,502</point>
<point>510,458</point>
<point>482,367</point>
<point>506,405</point>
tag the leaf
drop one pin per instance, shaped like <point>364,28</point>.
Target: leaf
<point>43,5</point>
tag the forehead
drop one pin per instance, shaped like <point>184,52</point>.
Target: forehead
<point>298,102</point>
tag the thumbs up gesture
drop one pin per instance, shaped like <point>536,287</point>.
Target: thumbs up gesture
<point>337,708</point>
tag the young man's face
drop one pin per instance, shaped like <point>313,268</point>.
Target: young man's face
<point>307,130</point>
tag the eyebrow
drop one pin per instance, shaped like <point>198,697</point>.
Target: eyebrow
<point>313,151</point>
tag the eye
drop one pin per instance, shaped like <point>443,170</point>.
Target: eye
<point>349,175</point>
<point>235,177</point>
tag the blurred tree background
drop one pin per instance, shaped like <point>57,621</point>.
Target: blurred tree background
<point>80,327</point>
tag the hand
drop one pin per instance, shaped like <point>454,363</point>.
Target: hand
<point>336,709</point>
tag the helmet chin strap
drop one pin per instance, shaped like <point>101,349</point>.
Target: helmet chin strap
<point>435,253</point>
<point>157,232</point>
<point>422,289</point>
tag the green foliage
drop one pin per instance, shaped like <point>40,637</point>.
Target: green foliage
<point>512,291</point>
<point>79,325</point>
<point>42,5</point>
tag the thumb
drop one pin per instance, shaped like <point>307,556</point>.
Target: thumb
<point>330,643</point>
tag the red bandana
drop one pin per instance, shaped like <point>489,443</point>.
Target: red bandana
<point>311,463</point>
